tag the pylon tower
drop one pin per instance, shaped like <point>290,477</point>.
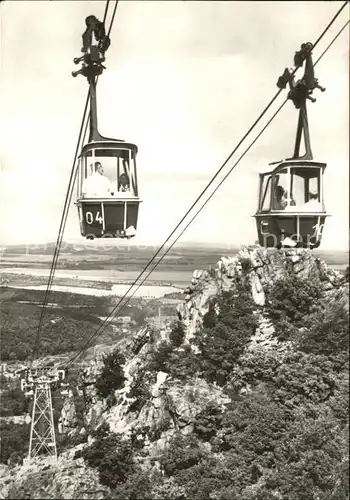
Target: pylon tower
<point>42,431</point>
<point>39,383</point>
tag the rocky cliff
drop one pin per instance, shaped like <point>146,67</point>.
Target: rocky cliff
<point>262,268</point>
<point>67,479</point>
<point>153,404</point>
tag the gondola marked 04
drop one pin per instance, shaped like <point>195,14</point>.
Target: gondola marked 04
<point>107,188</point>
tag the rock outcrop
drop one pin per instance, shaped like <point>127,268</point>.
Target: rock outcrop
<point>262,267</point>
<point>68,420</point>
<point>67,479</point>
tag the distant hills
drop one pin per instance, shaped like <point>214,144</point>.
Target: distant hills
<point>103,247</point>
<point>108,247</point>
<point>42,249</point>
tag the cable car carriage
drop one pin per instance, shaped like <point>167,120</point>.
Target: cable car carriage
<point>107,189</point>
<point>291,210</point>
<point>60,376</point>
<point>27,388</point>
<point>291,205</point>
<point>109,210</point>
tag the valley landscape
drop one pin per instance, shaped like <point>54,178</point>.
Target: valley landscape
<point>79,264</point>
<point>89,282</point>
<point>88,286</point>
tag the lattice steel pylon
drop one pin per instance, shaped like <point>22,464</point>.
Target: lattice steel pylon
<point>42,432</point>
<point>39,383</point>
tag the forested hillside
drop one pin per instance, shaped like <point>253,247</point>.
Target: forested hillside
<point>68,320</point>
<point>245,398</point>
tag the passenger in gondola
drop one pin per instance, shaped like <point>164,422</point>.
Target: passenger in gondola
<point>313,204</point>
<point>279,196</point>
<point>96,185</point>
<point>283,201</point>
<point>121,187</point>
<point>124,184</point>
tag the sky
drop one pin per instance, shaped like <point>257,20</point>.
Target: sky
<point>184,81</point>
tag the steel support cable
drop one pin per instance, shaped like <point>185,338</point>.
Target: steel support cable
<point>118,305</point>
<point>112,18</point>
<point>330,24</point>
<point>185,216</point>
<point>81,140</point>
<point>333,40</point>
<point>106,11</point>
<point>61,230</point>
<point>109,31</point>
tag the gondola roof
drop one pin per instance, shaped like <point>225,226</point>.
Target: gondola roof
<point>302,164</point>
<point>109,144</point>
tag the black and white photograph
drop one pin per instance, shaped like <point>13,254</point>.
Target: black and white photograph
<point>174,249</point>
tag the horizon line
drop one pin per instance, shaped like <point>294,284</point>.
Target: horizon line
<point>115,242</point>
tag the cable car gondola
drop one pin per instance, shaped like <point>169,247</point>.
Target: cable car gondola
<point>291,210</point>
<point>107,189</point>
